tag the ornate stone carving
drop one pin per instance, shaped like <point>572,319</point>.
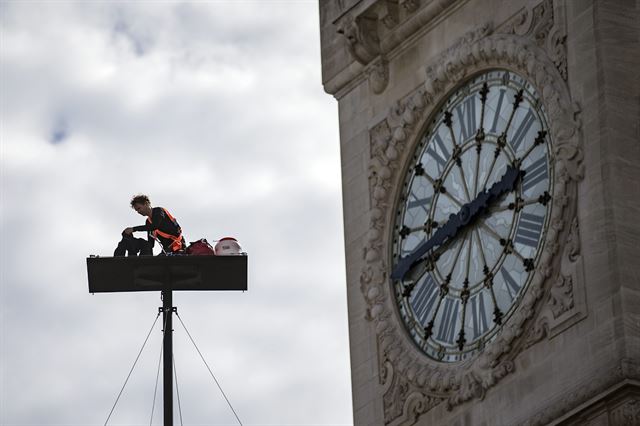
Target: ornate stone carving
<point>565,302</point>
<point>361,35</point>
<point>442,73</point>
<point>427,380</point>
<point>394,398</point>
<point>371,34</point>
<point>378,73</point>
<point>389,13</point>
<point>403,403</point>
<point>561,296</point>
<point>363,43</point>
<point>561,293</point>
<point>548,30</point>
<point>410,5</point>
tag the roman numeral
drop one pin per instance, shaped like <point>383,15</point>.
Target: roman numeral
<point>535,173</point>
<point>442,158</point>
<point>467,117</point>
<point>529,229</point>
<point>478,315</point>
<point>522,130</point>
<point>494,126</point>
<point>423,299</point>
<point>448,321</point>
<point>512,286</point>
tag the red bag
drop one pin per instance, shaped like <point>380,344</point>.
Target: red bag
<point>200,248</point>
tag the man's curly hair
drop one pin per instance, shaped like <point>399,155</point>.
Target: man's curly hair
<point>140,199</point>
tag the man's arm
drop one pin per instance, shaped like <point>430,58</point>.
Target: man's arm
<point>156,218</point>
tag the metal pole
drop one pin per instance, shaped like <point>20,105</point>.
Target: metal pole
<point>167,350</point>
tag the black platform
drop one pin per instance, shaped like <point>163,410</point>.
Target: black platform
<point>157,273</point>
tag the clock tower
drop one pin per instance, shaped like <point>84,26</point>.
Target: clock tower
<point>491,188</point>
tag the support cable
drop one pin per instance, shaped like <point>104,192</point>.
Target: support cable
<point>155,390</point>
<point>208,368</point>
<point>175,375</point>
<point>131,371</point>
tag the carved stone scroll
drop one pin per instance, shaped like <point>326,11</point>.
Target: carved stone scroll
<point>548,30</point>
<point>565,302</point>
<point>371,34</point>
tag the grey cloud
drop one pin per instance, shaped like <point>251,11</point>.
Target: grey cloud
<point>60,131</point>
<point>140,43</point>
<point>215,110</point>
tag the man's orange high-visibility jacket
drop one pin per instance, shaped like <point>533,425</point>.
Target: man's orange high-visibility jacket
<point>163,227</point>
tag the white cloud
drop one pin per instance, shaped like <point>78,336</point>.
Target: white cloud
<point>216,110</point>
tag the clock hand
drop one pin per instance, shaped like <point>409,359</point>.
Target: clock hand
<point>443,233</point>
<point>507,183</point>
<point>467,213</point>
<point>427,263</point>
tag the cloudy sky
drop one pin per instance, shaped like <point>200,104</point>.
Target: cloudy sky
<point>216,110</point>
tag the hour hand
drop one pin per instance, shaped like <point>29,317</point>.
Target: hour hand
<point>468,213</point>
<point>440,236</point>
<point>506,184</point>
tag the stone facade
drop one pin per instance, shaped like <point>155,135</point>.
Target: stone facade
<point>571,353</point>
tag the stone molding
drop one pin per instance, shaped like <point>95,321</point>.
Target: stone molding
<point>627,414</point>
<point>618,388</point>
<point>372,34</point>
<point>411,380</point>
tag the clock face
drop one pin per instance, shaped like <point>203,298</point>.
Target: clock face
<point>457,295</point>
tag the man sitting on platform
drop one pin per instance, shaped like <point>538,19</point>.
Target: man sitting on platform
<point>160,226</point>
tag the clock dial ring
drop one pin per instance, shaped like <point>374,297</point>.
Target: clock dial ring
<point>446,296</point>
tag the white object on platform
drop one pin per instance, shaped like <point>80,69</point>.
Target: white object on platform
<point>228,246</point>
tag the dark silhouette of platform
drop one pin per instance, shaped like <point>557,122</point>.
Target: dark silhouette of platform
<point>166,273</point>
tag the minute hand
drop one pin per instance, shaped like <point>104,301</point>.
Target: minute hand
<point>468,213</point>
